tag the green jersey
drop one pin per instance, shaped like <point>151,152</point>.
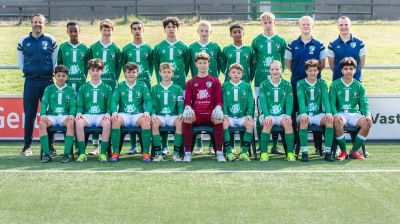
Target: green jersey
<point>267,49</point>
<point>131,99</point>
<point>58,101</point>
<point>213,50</point>
<point>348,98</point>
<point>238,99</point>
<point>94,99</point>
<point>167,100</point>
<point>276,99</point>
<point>111,56</point>
<point>142,55</point>
<point>178,55</point>
<point>75,57</point>
<point>243,55</point>
<point>312,97</point>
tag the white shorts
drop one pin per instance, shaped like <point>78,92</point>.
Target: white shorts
<point>93,120</point>
<point>313,119</point>
<point>236,122</point>
<point>276,120</point>
<point>130,120</point>
<point>351,118</point>
<point>167,120</point>
<point>57,120</point>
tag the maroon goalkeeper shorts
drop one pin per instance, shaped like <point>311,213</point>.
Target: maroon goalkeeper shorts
<point>203,119</point>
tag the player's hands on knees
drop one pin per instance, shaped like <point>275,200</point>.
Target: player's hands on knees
<point>114,116</point>
<point>146,116</point>
<point>303,119</point>
<point>288,120</point>
<point>329,118</point>
<point>188,113</point>
<point>369,120</point>
<point>78,117</point>
<point>44,119</point>
<point>70,118</point>
<point>249,119</point>
<point>154,118</point>
<point>106,117</point>
<point>217,113</point>
<point>268,121</point>
<point>179,118</point>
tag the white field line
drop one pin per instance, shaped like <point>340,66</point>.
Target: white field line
<point>200,171</point>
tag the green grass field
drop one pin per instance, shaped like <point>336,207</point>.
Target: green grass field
<point>381,38</point>
<point>200,192</point>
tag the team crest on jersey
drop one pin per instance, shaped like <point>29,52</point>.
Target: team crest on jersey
<point>59,110</point>
<point>196,84</point>
<point>208,84</point>
<point>138,93</point>
<point>28,44</point>
<point>180,98</point>
<point>74,69</point>
<point>82,55</point>
<point>353,44</point>
<point>244,93</point>
<point>202,94</point>
<point>355,95</point>
<point>311,48</point>
<point>268,61</point>
<point>312,107</point>
<point>211,53</point>
<point>180,51</point>
<point>130,109</point>
<point>235,108</point>
<point>276,109</point>
<point>165,110</point>
<point>112,56</point>
<point>174,96</point>
<point>94,109</point>
<point>246,56</point>
<point>278,46</point>
<point>346,107</point>
<point>45,44</point>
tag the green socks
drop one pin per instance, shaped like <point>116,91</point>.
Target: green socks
<point>247,138</point>
<point>328,137</point>
<point>44,142</point>
<point>69,140</point>
<point>359,141</point>
<point>104,146</point>
<point>82,147</point>
<point>227,139</point>
<point>146,139</point>
<point>178,140</point>
<point>289,142</point>
<point>264,141</point>
<point>164,139</point>
<point>157,143</point>
<point>115,139</point>
<point>342,143</point>
<point>132,139</point>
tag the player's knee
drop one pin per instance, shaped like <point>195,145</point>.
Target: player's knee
<point>267,128</point>
<point>70,124</point>
<point>362,123</point>
<point>144,124</point>
<point>42,125</point>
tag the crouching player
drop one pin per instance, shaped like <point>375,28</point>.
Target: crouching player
<point>276,101</point>
<point>94,99</point>
<point>167,111</point>
<point>349,106</point>
<point>131,106</point>
<point>203,106</point>
<point>238,109</point>
<point>58,108</point>
<point>312,94</point>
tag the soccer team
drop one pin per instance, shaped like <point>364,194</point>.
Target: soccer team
<point>173,101</point>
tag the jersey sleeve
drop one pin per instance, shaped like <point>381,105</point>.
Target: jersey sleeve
<point>301,99</point>
<point>218,93</point>
<point>59,57</point>
<point>224,100</point>
<point>80,101</point>
<point>263,101</point>
<point>289,100</point>
<point>115,100</point>
<point>186,59</point>
<point>85,63</point>
<point>180,101</point>
<point>219,53</point>
<point>325,98</point>
<point>223,61</point>
<point>148,100</point>
<point>151,64</point>
<point>44,102</point>
<point>332,99</point>
<point>188,94</point>
<point>364,105</point>
<point>156,61</point>
<point>109,94</point>
<point>283,50</point>
<point>250,102</point>
<point>118,64</point>
<point>155,101</point>
<point>253,64</point>
<point>72,104</point>
<point>191,61</point>
<point>330,52</point>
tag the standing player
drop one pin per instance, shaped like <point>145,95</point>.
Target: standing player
<point>268,46</point>
<point>129,101</point>
<point>203,105</point>
<point>214,51</point>
<point>110,54</point>
<point>239,110</point>
<point>346,45</point>
<point>238,53</point>
<point>350,107</point>
<point>94,99</point>
<point>276,101</point>
<point>58,108</point>
<point>313,96</point>
<point>141,54</point>
<point>167,111</point>
<point>75,56</point>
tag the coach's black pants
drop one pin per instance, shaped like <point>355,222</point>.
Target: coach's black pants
<point>33,92</point>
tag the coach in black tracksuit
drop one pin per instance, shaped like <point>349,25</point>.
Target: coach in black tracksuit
<point>37,55</point>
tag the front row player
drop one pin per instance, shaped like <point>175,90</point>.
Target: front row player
<point>203,106</point>
<point>94,99</point>
<point>312,94</point>
<point>131,105</point>
<point>239,111</point>
<point>276,100</point>
<point>58,108</point>
<point>349,106</point>
<point>167,111</point>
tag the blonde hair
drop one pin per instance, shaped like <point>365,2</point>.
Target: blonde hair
<point>267,16</point>
<point>204,23</point>
<point>107,24</point>
<point>306,17</point>
<point>236,66</point>
<point>166,65</point>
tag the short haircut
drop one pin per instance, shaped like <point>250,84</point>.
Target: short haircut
<point>267,16</point>
<point>96,64</point>
<point>348,61</point>
<point>235,26</point>
<point>174,20</point>
<point>137,22</point>
<point>38,15</point>
<point>311,64</point>
<point>236,66</point>
<point>204,23</point>
<point>72,23</point>
<point>344,17</point>
<point>130,66</point>
<point>202,56</point>
<point>276,62</point>
<point>166,65</point>
<point>306,17</point>
<point>107,24</point>
<point>61,68</point>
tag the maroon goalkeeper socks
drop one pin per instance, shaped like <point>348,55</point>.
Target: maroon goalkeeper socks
<point>187,133</point>
<point>218,136</point>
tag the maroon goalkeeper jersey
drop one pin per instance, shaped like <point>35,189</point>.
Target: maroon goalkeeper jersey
<point>203,94</point>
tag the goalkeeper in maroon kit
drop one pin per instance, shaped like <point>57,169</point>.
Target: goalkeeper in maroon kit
<point>203,106</point>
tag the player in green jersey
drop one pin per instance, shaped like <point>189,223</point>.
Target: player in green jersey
<point>58,108</point>
<point>238,110</point>
<point>238,53</point>
<point>276,101</point>
<point>268,46</point>
<point>173,51</point>
<point>94,99</point>
<point>142,54</point>
<point>167,111</point>
<point>349,105</point>
<point>131,106</point>
<point>75,56</point>
<point>204,45</point>
<point>313,96</point>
